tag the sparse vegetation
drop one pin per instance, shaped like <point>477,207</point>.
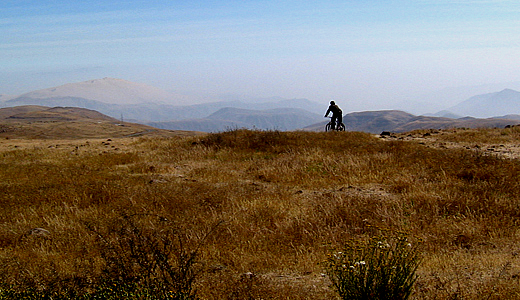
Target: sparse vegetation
<point>382,267</point>
<point>282,200</point>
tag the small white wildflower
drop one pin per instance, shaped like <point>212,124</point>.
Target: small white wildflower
<point>383,245</point>
<point>409,245</point>
<point>357,263</point>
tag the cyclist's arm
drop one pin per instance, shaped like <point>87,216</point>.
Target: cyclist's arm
<point>327,113</point>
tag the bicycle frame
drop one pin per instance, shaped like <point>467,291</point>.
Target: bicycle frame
<point>330,125</point>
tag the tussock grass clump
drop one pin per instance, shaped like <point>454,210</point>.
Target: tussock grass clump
<point>281,200</point>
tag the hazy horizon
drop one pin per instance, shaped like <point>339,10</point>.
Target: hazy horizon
<point>364,54</point>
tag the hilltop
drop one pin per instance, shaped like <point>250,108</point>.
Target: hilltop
<point>55,114</point>
<point>40,122</point>
<point>6,113</point>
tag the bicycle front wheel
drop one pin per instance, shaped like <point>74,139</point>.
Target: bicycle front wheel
<point>328,127</point>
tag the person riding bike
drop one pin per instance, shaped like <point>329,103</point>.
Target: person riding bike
<point>337,114</point>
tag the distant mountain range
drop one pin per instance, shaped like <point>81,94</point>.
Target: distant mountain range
<point>400,121</point>
<point>4,97</point>
<point>489,105</point>
<point>108,91</point>
<point>140,103</point>
<point>282,119</point>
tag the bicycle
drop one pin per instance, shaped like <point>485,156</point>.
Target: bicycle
<point>330,125</point>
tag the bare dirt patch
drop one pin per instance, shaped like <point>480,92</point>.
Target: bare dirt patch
<point>501,143</point>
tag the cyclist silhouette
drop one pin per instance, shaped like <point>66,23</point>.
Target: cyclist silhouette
<point>337,114</point>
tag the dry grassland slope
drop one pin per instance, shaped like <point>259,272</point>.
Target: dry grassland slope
<point>258,211</point>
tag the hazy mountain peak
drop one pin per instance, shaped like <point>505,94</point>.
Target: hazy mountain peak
<point>507,93</point>
<point>4,97</point>
<point>488,105</point>
<point>108,90</point>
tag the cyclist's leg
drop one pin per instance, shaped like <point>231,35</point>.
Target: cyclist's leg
<point>340,126</point>
<point>333,122</point>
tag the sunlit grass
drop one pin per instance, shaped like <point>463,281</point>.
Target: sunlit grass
<point>281,201</point>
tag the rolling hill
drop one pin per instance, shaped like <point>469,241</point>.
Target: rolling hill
<point>45,114</point>
<point>140,103</point>
<point>39,122</point>
<point>71,122</point>
<point>399,121</point>
<point>110,96</point>
<point>6,113</point>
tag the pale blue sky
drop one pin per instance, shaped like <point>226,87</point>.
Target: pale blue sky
<point>366,54</point>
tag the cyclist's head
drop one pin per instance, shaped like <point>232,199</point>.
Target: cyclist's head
<point>332,102</point>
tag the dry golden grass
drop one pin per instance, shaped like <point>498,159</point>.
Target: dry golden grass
<point>265,207</point>
<point>498,142</point>
<point>81,129</point>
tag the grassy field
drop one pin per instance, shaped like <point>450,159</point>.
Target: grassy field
<point>253,214</point>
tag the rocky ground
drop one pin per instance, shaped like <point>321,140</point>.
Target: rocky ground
<point>503,147</point>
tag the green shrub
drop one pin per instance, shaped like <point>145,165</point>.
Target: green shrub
<point>382,267</point>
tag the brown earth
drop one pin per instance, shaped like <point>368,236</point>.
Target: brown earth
<point>501,145</point>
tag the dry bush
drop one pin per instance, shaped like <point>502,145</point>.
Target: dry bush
<point>282,200</point>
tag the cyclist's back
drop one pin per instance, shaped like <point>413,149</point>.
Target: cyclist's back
<point>337,113</point>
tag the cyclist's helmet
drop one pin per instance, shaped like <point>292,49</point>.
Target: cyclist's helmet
<point>332,102</point>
